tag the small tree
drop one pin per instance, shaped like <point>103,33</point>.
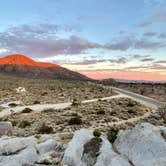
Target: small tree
<point>162,112</point>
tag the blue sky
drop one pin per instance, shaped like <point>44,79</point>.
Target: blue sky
<point>87,35</point>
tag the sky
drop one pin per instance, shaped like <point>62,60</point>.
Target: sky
<point>99,38</point>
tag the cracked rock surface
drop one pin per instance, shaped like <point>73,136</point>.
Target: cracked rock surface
<point>143,145</point>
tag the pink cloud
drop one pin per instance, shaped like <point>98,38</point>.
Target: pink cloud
<point>129,75</point>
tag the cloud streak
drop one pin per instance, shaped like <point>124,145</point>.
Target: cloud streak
<point>158,17</point>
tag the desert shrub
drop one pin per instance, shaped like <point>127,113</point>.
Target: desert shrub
<point>96,133</point>
<point>99,99</point>
<point>162,112</point>
<point>12,105</point>
<point>44,93</point>
<point>45,129</point>
<point>37,136</point>
<point>36,102</point>
<point>131,111</point>
<point>23,124</point>
<point>27,110</point>
<point>131,103</point>
<point>75,121</point>
<point>142,91</point>
<point>112,135</point>
<point>75,102</point>
<point>101,112</point>
<point>52,88</point>
<point>14,122</point>
<point>48,110</point>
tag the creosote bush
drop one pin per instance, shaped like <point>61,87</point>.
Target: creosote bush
<point>97,134</point>
<point>101,112</point>
<point>12,105</point>
<point>49,110</point>
<point>27,110</point>
<point>23,124</point>
<point>75,102</point>
<point>112,135</point>
<point>75,121</point>
<point>45,129</point>
<point>131,103</point>
<point>36,102</point>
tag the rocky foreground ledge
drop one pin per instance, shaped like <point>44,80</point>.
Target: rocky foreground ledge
<point>143,145</point>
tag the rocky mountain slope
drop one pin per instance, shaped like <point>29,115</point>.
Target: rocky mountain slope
<point>22,66</point>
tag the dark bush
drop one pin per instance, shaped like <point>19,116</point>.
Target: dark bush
<point>23,124</point>
<point>36,102</point>
<point>96,133</point>
<point>14,122</point>
<point>75,102</point>
<point>112,135</point>
<point>45,129</point>
<point>131,111</point>
<point>101,112</point>
<point>44,93</point>
<point>27,110</point>
<point>12,105</point>
<point>75,121</point>
<point>49,110</point>
<point>131,103</point>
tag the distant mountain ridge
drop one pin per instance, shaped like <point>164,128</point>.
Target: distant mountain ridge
<point>23,66</point>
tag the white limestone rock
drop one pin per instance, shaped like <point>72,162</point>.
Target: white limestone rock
<point>19,151</point>
<point>74,151</point>
<point>26,156</point>
<point>108,157</point>
<point>12,145</point>
<point>143,145</point>
<point>46,146</point>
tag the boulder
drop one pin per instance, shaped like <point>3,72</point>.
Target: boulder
<point>12,145</point>
<point>143,145</point>
<point>81,153</point>
<point>19,151</point>
<point>75,148</point>
<point>27,156</point>
<point>6,128</point>
<point>108,157</point>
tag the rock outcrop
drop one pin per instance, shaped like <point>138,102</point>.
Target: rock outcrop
<point>19,151</point>
<point>143,145</point>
